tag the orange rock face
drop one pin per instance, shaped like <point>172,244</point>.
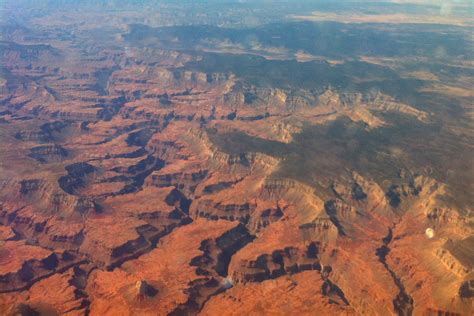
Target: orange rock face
<point>174,269</point>
<point>301,294</point>
<point>169,169</point>
<point>13,253</point>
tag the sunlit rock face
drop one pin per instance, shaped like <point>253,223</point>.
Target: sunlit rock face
<point>292,158</point>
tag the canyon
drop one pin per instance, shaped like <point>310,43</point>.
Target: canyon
<point>155,170</point>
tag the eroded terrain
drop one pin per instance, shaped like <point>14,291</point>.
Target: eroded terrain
<point>161,169</point>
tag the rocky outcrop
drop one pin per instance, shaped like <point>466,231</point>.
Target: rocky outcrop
<point>38,264</point>
<point>373,101</point>
<point>136,174</point>
<point>49,153</point>
<point>301,294</point>
<point>40,137</point>
<point>212,266</point>
<point>289,260</point>
<point>265,217</point>
<point>186,181</point>
<point>442,216</point>
<point>457,255</point>
<point>214,211</point>
<point>320,229</point>
<point>76,177</point>
<point>145,290</point>
<point>33,186</point>
<point>466,291</point>
<point>159,269</point>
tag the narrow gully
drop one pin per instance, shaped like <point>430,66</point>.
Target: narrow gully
<point>403,303</point>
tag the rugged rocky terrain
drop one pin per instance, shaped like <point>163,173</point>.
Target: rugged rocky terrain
<point>142,173</point>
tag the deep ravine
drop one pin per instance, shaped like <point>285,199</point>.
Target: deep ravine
<point>403,302</point>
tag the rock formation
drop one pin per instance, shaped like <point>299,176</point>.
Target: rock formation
<point>144,174</point>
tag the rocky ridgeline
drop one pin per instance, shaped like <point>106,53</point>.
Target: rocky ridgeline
<point>185,181</point>
<point>248,160</point>
<point>33,270</point>
<point>212,268</point>
<point>49,153</point>
<point>452,262</point>
<point>280,262</point>
<point>266,217</point>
